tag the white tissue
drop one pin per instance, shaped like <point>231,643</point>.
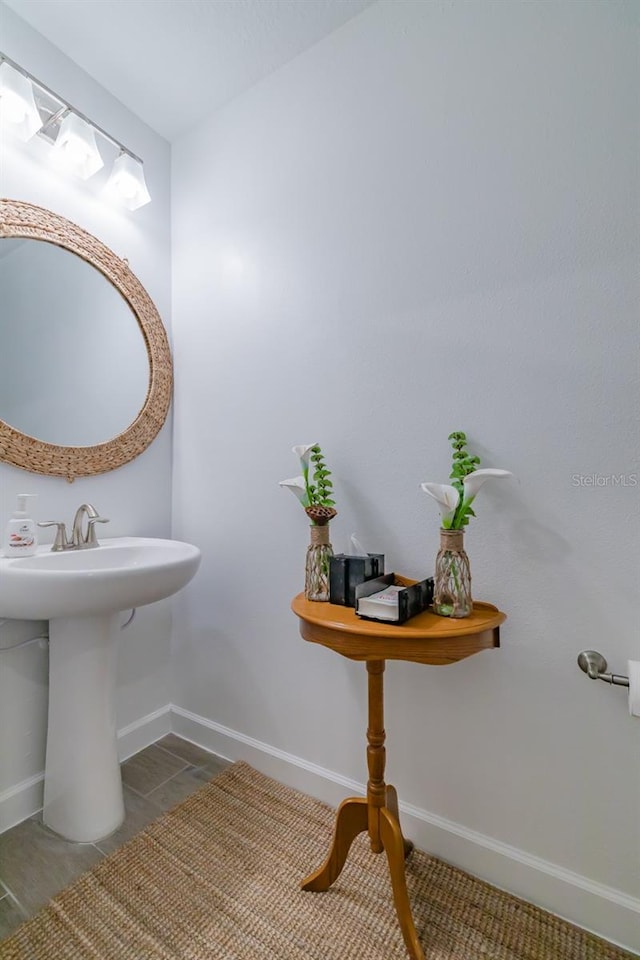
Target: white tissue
<point>634,688</point>
<point>355,548</point>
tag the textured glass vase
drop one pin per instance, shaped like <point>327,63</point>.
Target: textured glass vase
<point>452,577</point>
<point>319,552</point>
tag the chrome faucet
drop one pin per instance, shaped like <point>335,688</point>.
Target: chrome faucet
<point>80,540</point>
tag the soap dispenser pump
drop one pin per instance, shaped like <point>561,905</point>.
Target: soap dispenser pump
<point>21,537</point>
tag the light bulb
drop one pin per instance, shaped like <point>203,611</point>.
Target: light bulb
<point>128,187</point>
<point>18,108</point>
<point>76,146</point>
<point>14,108</point>
<point>127,184</point>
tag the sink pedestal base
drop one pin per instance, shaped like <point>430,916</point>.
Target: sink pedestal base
<point>82,786</point>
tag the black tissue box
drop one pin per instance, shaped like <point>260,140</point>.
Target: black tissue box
<point>345,573</point>
<point>412,599</point>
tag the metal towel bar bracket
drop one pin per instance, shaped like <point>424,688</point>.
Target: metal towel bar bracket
<point>595,665</point>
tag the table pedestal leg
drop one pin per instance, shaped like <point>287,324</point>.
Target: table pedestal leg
<point>351,819</point>
<point>392,807</point>
<point>378,814</point>
<point>394,847</point>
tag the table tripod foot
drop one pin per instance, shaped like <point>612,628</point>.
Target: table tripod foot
<point>393,842</point>
<point>351,819</point>
<point>391,803</point>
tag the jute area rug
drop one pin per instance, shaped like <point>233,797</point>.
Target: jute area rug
<point>217,878</point>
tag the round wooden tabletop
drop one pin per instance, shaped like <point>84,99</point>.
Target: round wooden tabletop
<point>425,638</point>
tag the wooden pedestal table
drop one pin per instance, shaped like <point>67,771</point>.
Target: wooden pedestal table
<point>423,639</point>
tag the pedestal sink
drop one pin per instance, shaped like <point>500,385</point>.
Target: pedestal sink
<point>82,594</point>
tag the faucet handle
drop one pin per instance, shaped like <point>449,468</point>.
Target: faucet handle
<point>91,539</point>
<point>61,541</point>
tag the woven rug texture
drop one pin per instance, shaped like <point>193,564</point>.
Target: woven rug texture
<point>218,878</point>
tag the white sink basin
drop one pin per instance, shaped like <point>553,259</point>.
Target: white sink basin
<point>80,593</point>
<point>121,573</point>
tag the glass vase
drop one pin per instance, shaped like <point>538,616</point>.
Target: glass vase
<point>452,578</point>
<point>319,552</point>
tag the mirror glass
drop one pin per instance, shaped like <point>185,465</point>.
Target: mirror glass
<point>74,365</point>
<point>85,364</point>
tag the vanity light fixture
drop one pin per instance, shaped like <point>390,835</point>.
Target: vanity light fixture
<point>28,107</point>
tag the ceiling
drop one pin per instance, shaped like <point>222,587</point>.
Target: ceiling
<point>173,61</point>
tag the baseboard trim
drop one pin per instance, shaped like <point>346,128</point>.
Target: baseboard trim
<point>143,732</point>
<point>602,910</point>
<point>25,799</point>
<point>21,801</point>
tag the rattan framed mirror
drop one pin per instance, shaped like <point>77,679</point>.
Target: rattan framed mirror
<point>24,220</point>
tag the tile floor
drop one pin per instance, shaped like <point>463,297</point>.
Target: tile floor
<point>35,863</point>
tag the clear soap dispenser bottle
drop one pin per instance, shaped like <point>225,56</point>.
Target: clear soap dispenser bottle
<point>21,536</point>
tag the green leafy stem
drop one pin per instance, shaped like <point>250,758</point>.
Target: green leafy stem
<point>320,491</point>
<point>463,465</point>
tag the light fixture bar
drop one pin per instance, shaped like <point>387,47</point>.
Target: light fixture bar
<point>65,107</point>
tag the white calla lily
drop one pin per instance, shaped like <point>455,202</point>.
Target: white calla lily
<point>316,491</point>
<point>447,498</point>
<point>303,452</point>
<point>473,481</point>
<point>298,487</point>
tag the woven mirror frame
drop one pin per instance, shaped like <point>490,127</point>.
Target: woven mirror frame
<point>19,219</point>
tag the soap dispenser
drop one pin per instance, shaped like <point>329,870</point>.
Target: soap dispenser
<point>21,537</point>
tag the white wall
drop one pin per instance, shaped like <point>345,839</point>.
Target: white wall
<point>426,223</point>
<point>135,497</point>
